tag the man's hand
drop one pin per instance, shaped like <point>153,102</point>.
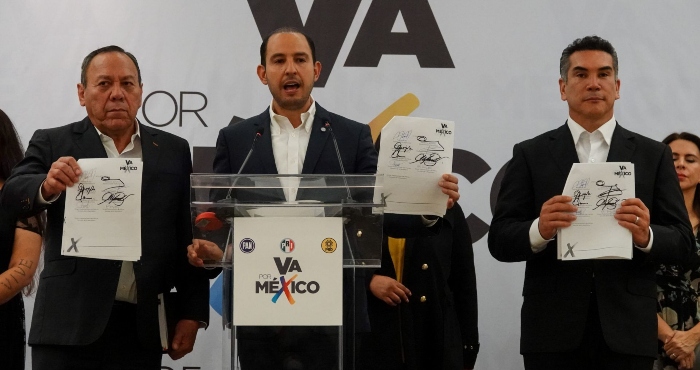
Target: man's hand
<point>556,213</point>
<point>63,173</point>
<point>681,348</point>
<point>449,186</point>
<point>634,216</point>
<point>183,340</point>
<point>201,250</point>
<point>388,290</point>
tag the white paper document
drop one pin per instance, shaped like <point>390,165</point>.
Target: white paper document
<point>102,217</point>
<point>597,190</point>
<point>415,153</point>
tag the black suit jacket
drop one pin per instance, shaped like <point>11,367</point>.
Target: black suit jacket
<point>555,293</point>
<point>441,331</point>
<point>75,295</point>
<point>357,153</point>
<point>354,143</point>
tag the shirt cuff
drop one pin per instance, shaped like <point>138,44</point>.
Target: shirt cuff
<point>647,249</point>
<point>40,198</point>
<point>429,222</point>
<point>537,242</point>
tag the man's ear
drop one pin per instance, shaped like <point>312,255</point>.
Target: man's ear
<point>81,94</point>
<point>262,74</point>
<point>562,87</point>
<point>317,70</point>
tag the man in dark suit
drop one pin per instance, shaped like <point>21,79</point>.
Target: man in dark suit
<point>588,314</point>
<point>94,313</point>
<point>295,138</point>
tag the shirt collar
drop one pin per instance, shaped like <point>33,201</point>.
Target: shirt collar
<point>110,147</point>
<point>307,118</point>
<point>104,138</point>
<point>606,129</point>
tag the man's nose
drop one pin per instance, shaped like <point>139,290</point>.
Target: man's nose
<point>594,83</point>
<point>290,67</point>
<point>117,93</point>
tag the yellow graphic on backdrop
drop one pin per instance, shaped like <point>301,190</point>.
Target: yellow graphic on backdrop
<point>401,107</point>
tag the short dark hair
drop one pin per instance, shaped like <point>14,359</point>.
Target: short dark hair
<point>263,46</point>
<point>11,150</point>
<point>586,43</point>
<point>105,49</point>
<point>695,140</point>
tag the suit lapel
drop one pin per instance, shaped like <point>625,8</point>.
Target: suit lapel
<point>88,140</point>
<point>622,145</point>
<point>563,149</point>
<point>150,150</point>
<point>264,145</point>
<point>317,140</point>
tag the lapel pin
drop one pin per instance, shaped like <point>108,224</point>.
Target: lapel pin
<point>323,129</point>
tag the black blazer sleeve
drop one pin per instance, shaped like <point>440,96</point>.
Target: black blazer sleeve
<point>509,239</point>
<point>462,282</point>
<point>21,190</point>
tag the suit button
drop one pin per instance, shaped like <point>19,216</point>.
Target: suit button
<point>424,267</point>
<point>423,299</point>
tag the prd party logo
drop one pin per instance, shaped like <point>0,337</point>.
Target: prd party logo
<point>287,245</point>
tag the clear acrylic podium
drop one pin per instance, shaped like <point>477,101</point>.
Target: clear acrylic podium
<point>217,201</point>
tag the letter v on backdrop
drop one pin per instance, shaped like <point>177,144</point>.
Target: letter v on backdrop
<point>328,24</point>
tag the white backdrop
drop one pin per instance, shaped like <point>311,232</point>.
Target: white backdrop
<point>502,90</point>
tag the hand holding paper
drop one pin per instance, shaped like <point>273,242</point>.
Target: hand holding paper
<point>557,212</point>
<point>415,154</point>
<point>62,174</point>
<point>103,210</point>
<point>602,194</point>
<point>449,185</point>
<point>634,216</point>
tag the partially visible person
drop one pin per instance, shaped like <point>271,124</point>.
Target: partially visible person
<point>20,249</point>
<point>679,334</point>
<point>422,302</point>
<point>102,314</point>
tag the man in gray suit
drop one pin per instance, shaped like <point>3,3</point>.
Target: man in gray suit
<point>102,314</point>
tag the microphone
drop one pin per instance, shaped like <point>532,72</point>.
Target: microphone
<point>328,127</point>
<point>258,133</point>
<point>211,221</point>
<point>348,213</point>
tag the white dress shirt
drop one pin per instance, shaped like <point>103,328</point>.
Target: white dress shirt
<point>126,288</point>
<point>289,146</point>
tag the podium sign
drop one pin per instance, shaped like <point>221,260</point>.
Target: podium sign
<point>294,272</point>
<point>288,271</point>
